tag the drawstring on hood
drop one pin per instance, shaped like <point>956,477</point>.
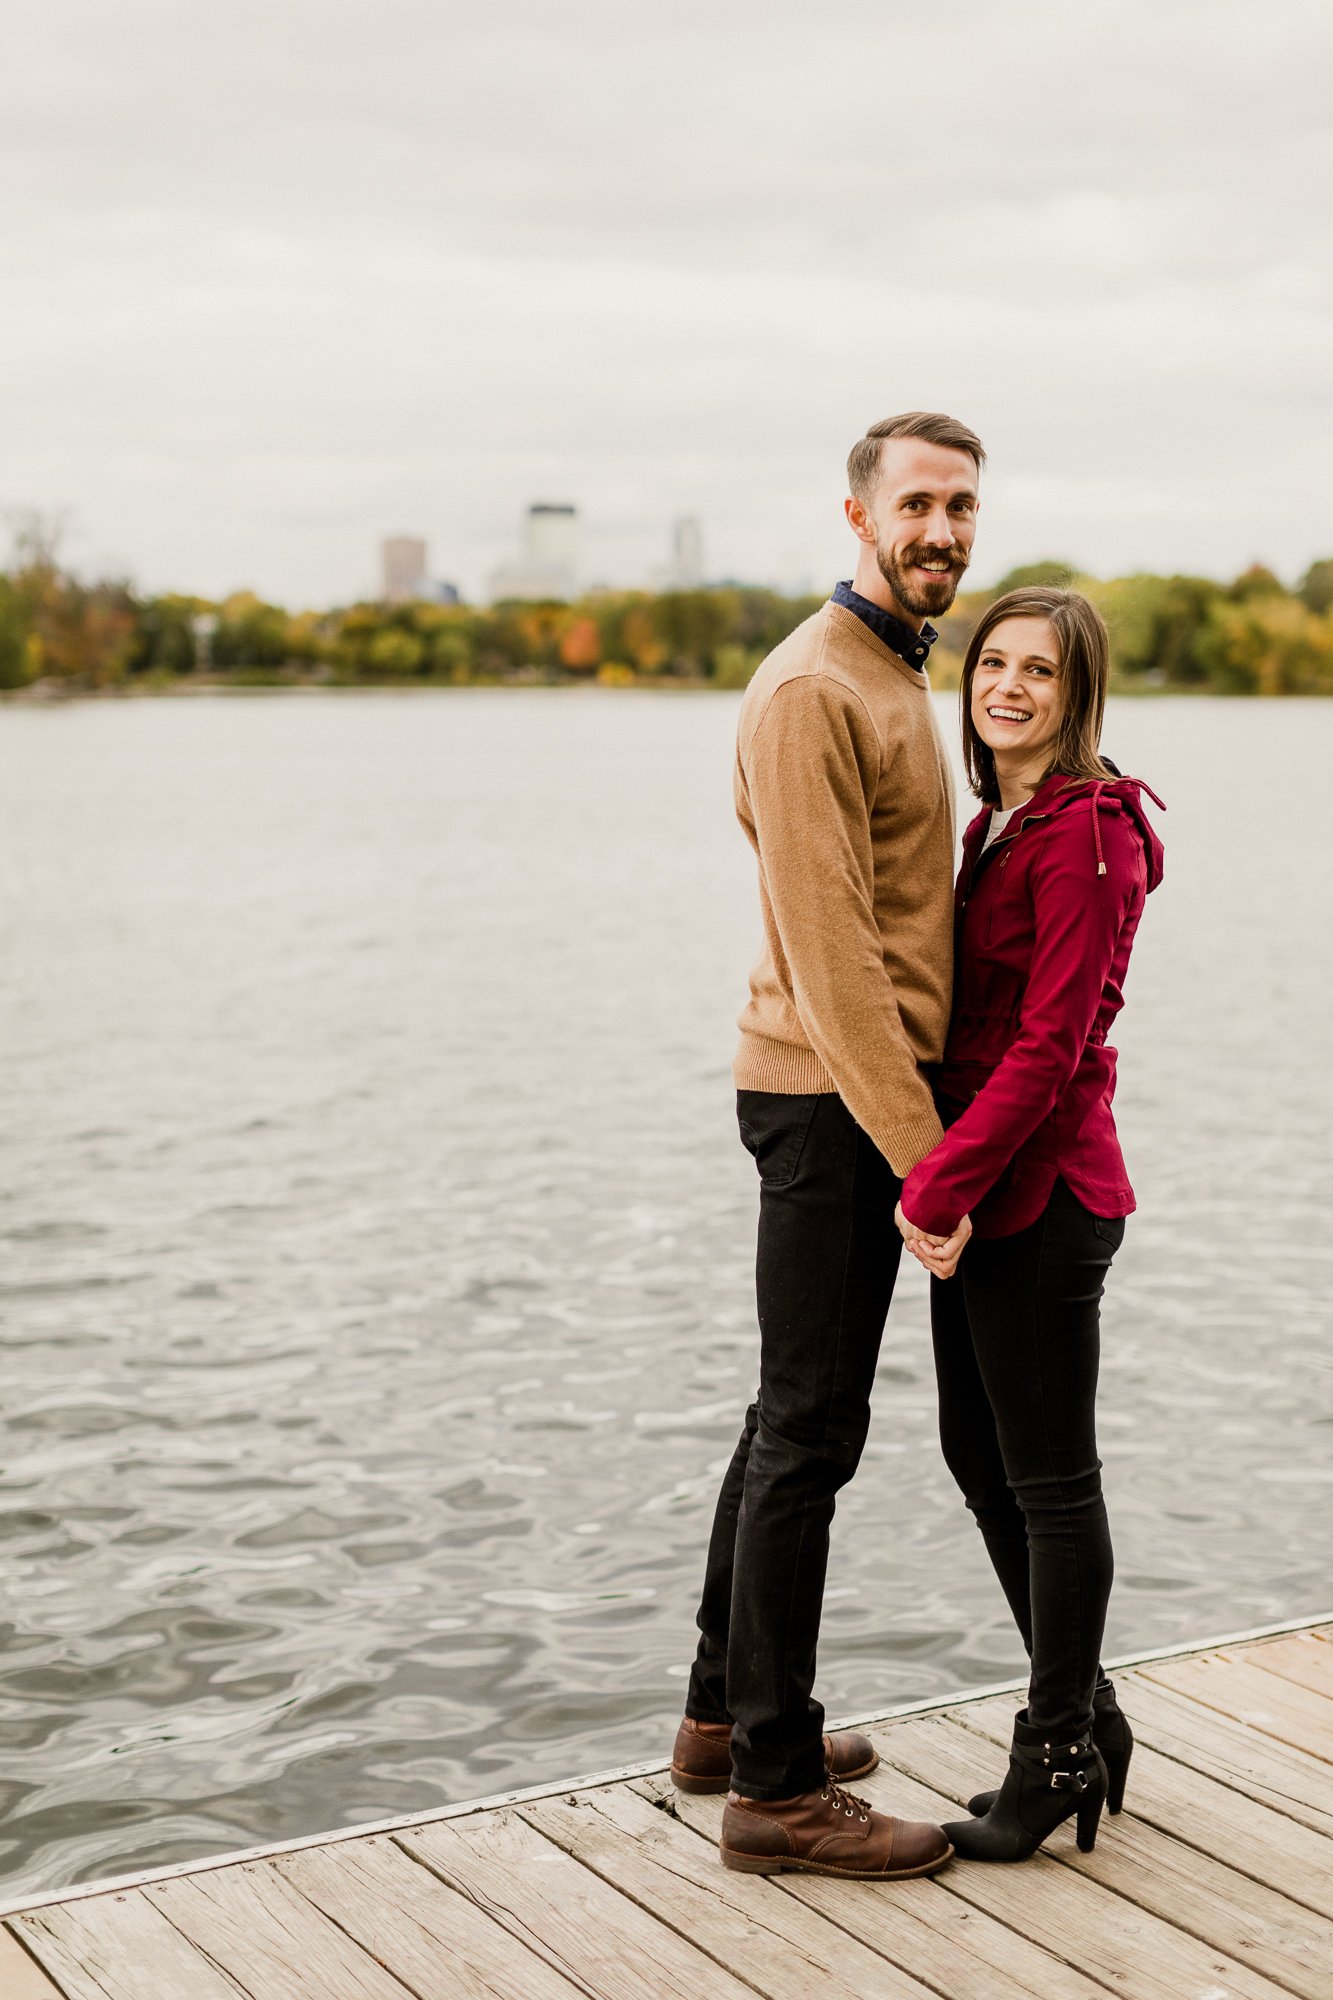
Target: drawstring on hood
<point>1125,792</point>
<point>1117,794</point>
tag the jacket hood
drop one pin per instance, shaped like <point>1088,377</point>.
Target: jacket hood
<point>1058,795</point>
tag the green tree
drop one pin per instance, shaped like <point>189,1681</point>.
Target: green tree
<point>164,640</point>
<point>733,666</point>
<point>1030,575</point>
<point>1316,586</point>
<point>394,651</point>
<point>17,661</point>
<point>1267,644</point>
<point>1256,581</point>
<point>690,623</point>
<point>1154,623</point>
<point>254,634</point>
<point>451,651</point>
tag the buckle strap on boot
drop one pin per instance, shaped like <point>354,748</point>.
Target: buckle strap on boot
<point>1069,1781</point>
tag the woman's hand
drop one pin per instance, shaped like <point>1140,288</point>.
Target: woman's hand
<point>938,1254</point>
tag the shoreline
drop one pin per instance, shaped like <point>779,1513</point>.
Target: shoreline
<point>45,694</point>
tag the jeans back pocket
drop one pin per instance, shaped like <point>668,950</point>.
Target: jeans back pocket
<point>1111,1229</point>
<point>774,1128</point>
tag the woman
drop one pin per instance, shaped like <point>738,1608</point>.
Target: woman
<point>1054,876</point>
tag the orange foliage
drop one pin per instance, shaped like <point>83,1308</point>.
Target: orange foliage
<point>581,645</point>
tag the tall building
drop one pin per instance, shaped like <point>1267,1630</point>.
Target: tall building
<point>549,564</point>
<point>687,547</point>
<point>404,564</point>
<point>685,571</point>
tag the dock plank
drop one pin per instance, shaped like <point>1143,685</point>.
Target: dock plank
<point>1195,1809</point>
<point>1139,1953</point>
<point>119,1947</point>
<point>21,1978</point>
<point>1266,1702</point>
<point>949,1946</point>
<point>1203,1739</point>
<point>259,1929</point>
<point>565,1913</point>
<point>781,1950</point>
<point>1303,1657</point>
<point>1275,1931</point>
<point>429,1936</point>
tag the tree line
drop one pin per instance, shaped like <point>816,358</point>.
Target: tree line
<point>60,633</point>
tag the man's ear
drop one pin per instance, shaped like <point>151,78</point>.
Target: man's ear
<point>858,520</point>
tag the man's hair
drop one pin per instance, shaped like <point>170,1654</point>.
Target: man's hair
<point>1079,631</point>
<point>929,425</point>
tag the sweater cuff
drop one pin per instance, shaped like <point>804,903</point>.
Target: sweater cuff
<point>903,1146</point>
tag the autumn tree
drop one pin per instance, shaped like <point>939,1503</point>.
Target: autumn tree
<point>1316,586</point>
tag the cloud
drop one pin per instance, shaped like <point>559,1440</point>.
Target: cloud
<point>282,278</point>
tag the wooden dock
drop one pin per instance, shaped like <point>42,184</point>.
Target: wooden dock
<point>1216,1883</point>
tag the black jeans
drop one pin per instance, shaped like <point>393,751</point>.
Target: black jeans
<point>827,1259</point>
<point>1016,1353</point>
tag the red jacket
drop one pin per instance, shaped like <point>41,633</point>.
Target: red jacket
<point>1045,922</point>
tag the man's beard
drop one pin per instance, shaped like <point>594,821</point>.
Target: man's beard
<point>922,599</point>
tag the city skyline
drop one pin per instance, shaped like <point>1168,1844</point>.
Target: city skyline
<point>272,291</point>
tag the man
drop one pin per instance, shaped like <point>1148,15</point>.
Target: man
<point>844,791</point>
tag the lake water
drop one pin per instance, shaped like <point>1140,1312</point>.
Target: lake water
<point>377,1248</point>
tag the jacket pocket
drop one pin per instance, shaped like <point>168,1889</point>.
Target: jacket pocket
<point>774,1128</point>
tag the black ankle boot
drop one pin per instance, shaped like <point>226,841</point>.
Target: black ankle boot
<point>1113,1737</point>
<point>1047,1781</point>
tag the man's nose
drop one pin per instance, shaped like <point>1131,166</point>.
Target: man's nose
<point>939,532</point>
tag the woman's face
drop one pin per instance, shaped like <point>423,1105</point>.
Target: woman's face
<point>1017,695</point>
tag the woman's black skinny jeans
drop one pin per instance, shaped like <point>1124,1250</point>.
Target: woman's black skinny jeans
<point>1016,1335</point>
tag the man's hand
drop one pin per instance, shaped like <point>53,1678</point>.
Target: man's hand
<point>939,1254</point>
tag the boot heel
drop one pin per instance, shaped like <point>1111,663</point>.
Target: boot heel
<point>1048,1784</point>
<point>752,1864</point>
<point>1089,1812</point>
<point>1116,1774</point>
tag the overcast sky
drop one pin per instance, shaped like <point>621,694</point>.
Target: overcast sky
<point>282,276</point>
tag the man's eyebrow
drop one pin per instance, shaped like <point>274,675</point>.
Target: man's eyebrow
<point>925,493</point>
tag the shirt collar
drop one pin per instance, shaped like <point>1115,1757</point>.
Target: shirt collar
<point>913,647</point>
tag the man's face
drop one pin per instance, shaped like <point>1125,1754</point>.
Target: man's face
<point>921,521</point>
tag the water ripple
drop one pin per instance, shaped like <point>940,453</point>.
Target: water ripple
<point>376,1303</point>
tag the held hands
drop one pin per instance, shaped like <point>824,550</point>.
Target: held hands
<point>939,1254</point>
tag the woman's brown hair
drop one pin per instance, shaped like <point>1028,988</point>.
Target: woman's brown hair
<point>1085,666</point>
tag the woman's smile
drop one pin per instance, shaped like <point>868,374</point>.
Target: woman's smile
<point>1018,698</point>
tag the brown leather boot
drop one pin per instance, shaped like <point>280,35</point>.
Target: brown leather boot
<point>827,1833</point>
<point>701,1760</point>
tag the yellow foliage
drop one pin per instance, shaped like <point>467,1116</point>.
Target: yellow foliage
<point>641,641</point>
<point>946,668</point>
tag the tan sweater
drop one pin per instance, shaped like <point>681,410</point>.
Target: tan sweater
<point>844,792</point>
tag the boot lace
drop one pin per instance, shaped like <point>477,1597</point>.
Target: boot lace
<point>846,1802</point>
